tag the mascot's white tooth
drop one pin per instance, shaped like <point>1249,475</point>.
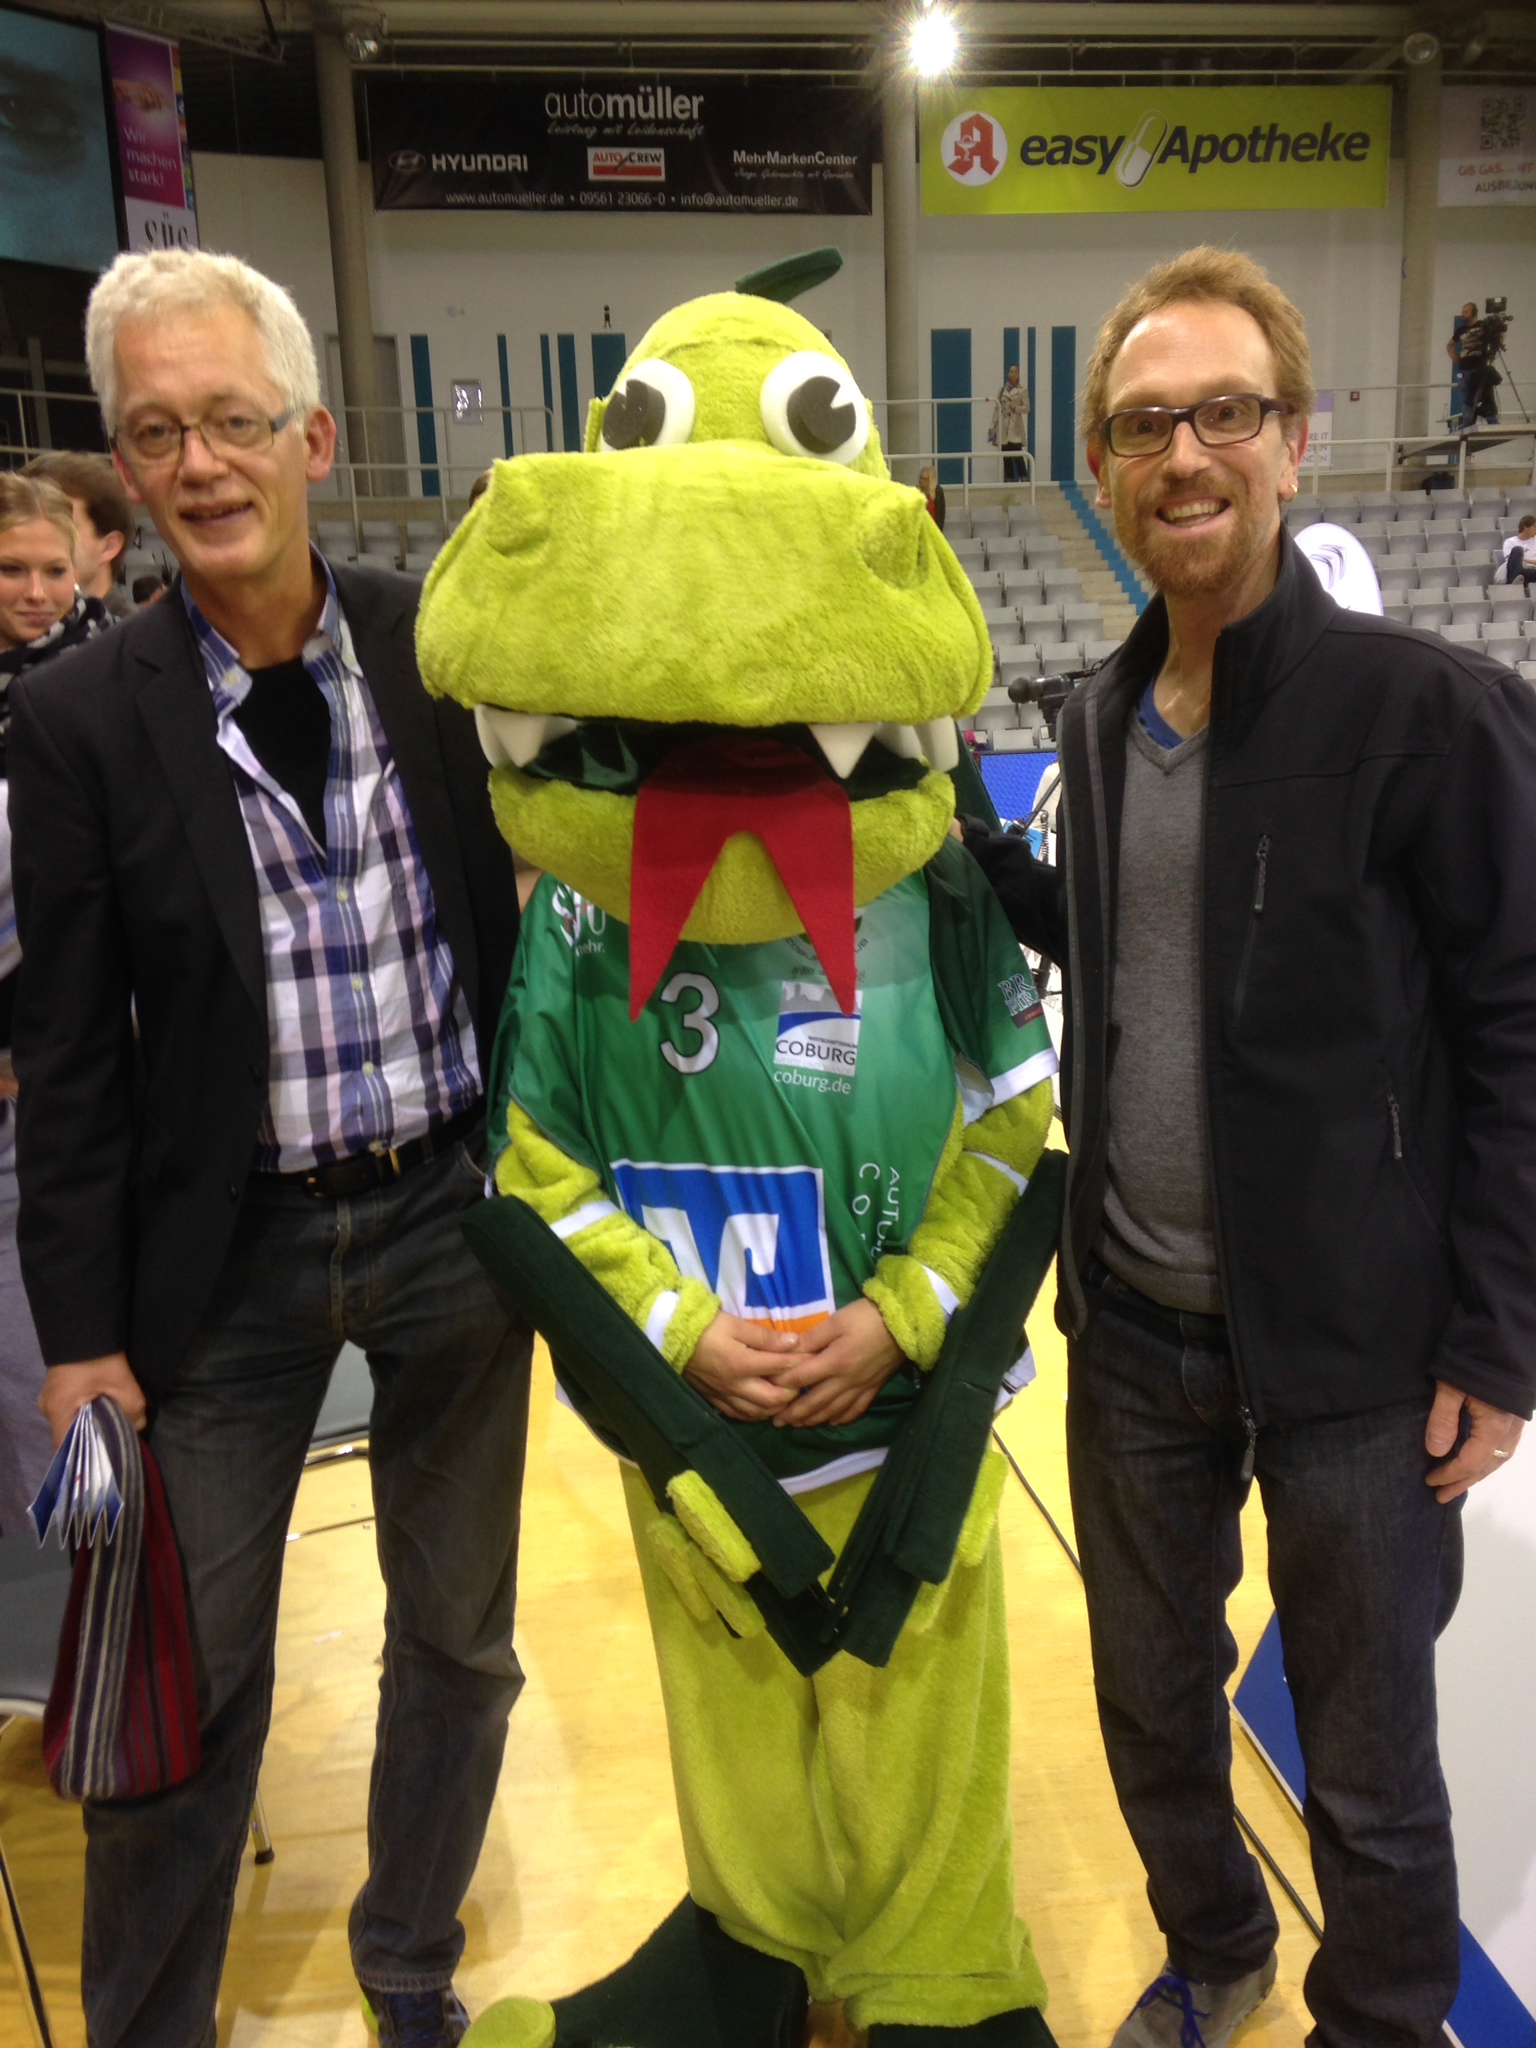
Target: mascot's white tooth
<point>490,739</point>
<point>520,733</point>
<point>940,742</point>
<point>900,740</point>
<point>843,745</point>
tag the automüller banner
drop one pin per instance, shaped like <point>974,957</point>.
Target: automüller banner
<point>1122,149</point>
<point>594,145</point>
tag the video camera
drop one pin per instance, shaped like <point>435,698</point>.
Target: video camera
<point>1050,693</point>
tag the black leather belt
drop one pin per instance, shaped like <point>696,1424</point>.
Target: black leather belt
<point>365,1170</point>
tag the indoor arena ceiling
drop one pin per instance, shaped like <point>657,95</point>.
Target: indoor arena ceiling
<point>1015,39</point>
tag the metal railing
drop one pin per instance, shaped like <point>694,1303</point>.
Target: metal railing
<point>429,482</point>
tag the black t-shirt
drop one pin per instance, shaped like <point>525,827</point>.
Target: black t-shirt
<point>288,724</point>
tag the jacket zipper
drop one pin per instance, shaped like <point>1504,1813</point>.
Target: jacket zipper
<point>1067,1264</point>
<point>1397,1127</point>
<point>1260,883</point>
<point>1239,1372</point>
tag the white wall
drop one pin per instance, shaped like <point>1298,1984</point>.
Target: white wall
<point>463,279</point>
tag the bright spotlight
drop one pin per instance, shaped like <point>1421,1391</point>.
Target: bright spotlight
<point>933,44</point>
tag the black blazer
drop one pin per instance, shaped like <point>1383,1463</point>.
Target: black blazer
<point>136,896</point>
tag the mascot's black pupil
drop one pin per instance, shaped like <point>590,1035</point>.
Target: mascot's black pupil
<point>815,419</point>
<point>635,416</point>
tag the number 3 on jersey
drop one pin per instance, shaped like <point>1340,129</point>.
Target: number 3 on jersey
<point>695,1041</point>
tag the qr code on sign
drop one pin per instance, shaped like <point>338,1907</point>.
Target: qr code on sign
<point>1501,123</point>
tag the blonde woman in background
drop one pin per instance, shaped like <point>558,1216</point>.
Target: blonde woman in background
<point>41,614</point>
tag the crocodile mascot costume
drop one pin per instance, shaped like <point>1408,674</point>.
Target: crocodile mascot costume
<point>771,1082</point>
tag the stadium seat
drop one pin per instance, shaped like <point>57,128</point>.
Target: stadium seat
<point>1394,609</point>
<point>1501,632</point>
<point>987,520</point>
<point>1100,650</point>
<point>1060,659</point>
<point>1022,586</point>
<point>1081,621</point>
<point>1429,618</point>
<point>1471,610</point>
<point>1018,663</point>
<point>370,559</point>
<point>1004,554</point>
<point>1436,558</point>
<point>1463,632</point>
<point>1040,623</point>
<point>1062,586</point>
<point>1041,548</point>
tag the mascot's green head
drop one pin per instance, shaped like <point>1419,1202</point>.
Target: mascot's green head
<point>725,595</point>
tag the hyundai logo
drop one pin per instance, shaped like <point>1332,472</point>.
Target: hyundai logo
<point>407,160</point>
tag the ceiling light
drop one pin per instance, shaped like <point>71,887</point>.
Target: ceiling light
<point>933,43</point>
<point>1421,47</point>
<point>361,47</point>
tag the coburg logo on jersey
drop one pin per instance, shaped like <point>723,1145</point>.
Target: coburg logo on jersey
<point>813,1032</point>
<point>627,166</point>
<point>974,149</point>
<point>756,1235</point>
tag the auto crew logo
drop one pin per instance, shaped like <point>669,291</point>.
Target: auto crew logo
<point>814,1035</point>
<point>614,164</point>
<point>974,149</point>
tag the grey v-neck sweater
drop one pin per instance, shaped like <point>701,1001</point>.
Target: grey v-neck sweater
<point>1158,1234</point>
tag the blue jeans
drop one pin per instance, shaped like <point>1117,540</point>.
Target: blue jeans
<point>390,1270</point>
<point>1365,1567</point>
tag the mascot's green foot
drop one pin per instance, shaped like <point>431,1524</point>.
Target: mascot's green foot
<point>513,2023</point>
<point>688,1986</point>
<point>1024,2028</point>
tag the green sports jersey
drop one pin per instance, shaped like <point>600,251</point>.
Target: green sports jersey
<point>778,1147</point>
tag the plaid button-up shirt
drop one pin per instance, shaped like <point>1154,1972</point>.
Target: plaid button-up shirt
<point>370,1032</point>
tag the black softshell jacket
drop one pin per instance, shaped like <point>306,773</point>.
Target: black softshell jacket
<point>1369,977</point>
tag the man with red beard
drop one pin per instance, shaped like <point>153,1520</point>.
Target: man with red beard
<point>1300,1086</point>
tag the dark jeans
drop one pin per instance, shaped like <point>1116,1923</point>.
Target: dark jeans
<point>1365,1567</point>
<point>1013,463</point>
<point>391,1271</point>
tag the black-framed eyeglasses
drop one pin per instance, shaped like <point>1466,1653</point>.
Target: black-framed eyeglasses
<point>1218,423</point>
<point>156,443</point>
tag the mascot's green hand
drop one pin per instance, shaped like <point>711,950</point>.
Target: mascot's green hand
<point>701,1513</point>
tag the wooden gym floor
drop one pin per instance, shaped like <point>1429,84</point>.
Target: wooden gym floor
<point>582,1857</point>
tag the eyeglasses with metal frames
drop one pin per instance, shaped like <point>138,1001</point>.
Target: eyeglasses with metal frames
<point>157,443</point>
<point>1217,423</point>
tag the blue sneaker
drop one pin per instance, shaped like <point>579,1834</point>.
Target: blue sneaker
<point>415,2019</point>
<point>1173,2012</point>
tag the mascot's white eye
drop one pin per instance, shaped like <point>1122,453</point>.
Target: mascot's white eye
<point>650,408</point>
<point>811,406</point>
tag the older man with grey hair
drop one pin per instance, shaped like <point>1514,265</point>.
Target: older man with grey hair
<point>241,825</point>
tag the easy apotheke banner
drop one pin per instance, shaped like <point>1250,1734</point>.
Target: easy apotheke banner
<point>563,144</point>
<point>1122,149</point>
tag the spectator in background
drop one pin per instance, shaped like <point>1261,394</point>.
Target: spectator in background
<point>148,590</point>
<point>1010,421</point>
<point>933,494</point>
<point>1521,545</point>
<point>1461,396</point>
<point>104,522</point>
<point>37,598</point>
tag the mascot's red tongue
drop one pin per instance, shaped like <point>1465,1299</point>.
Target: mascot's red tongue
<point>687,809</point>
